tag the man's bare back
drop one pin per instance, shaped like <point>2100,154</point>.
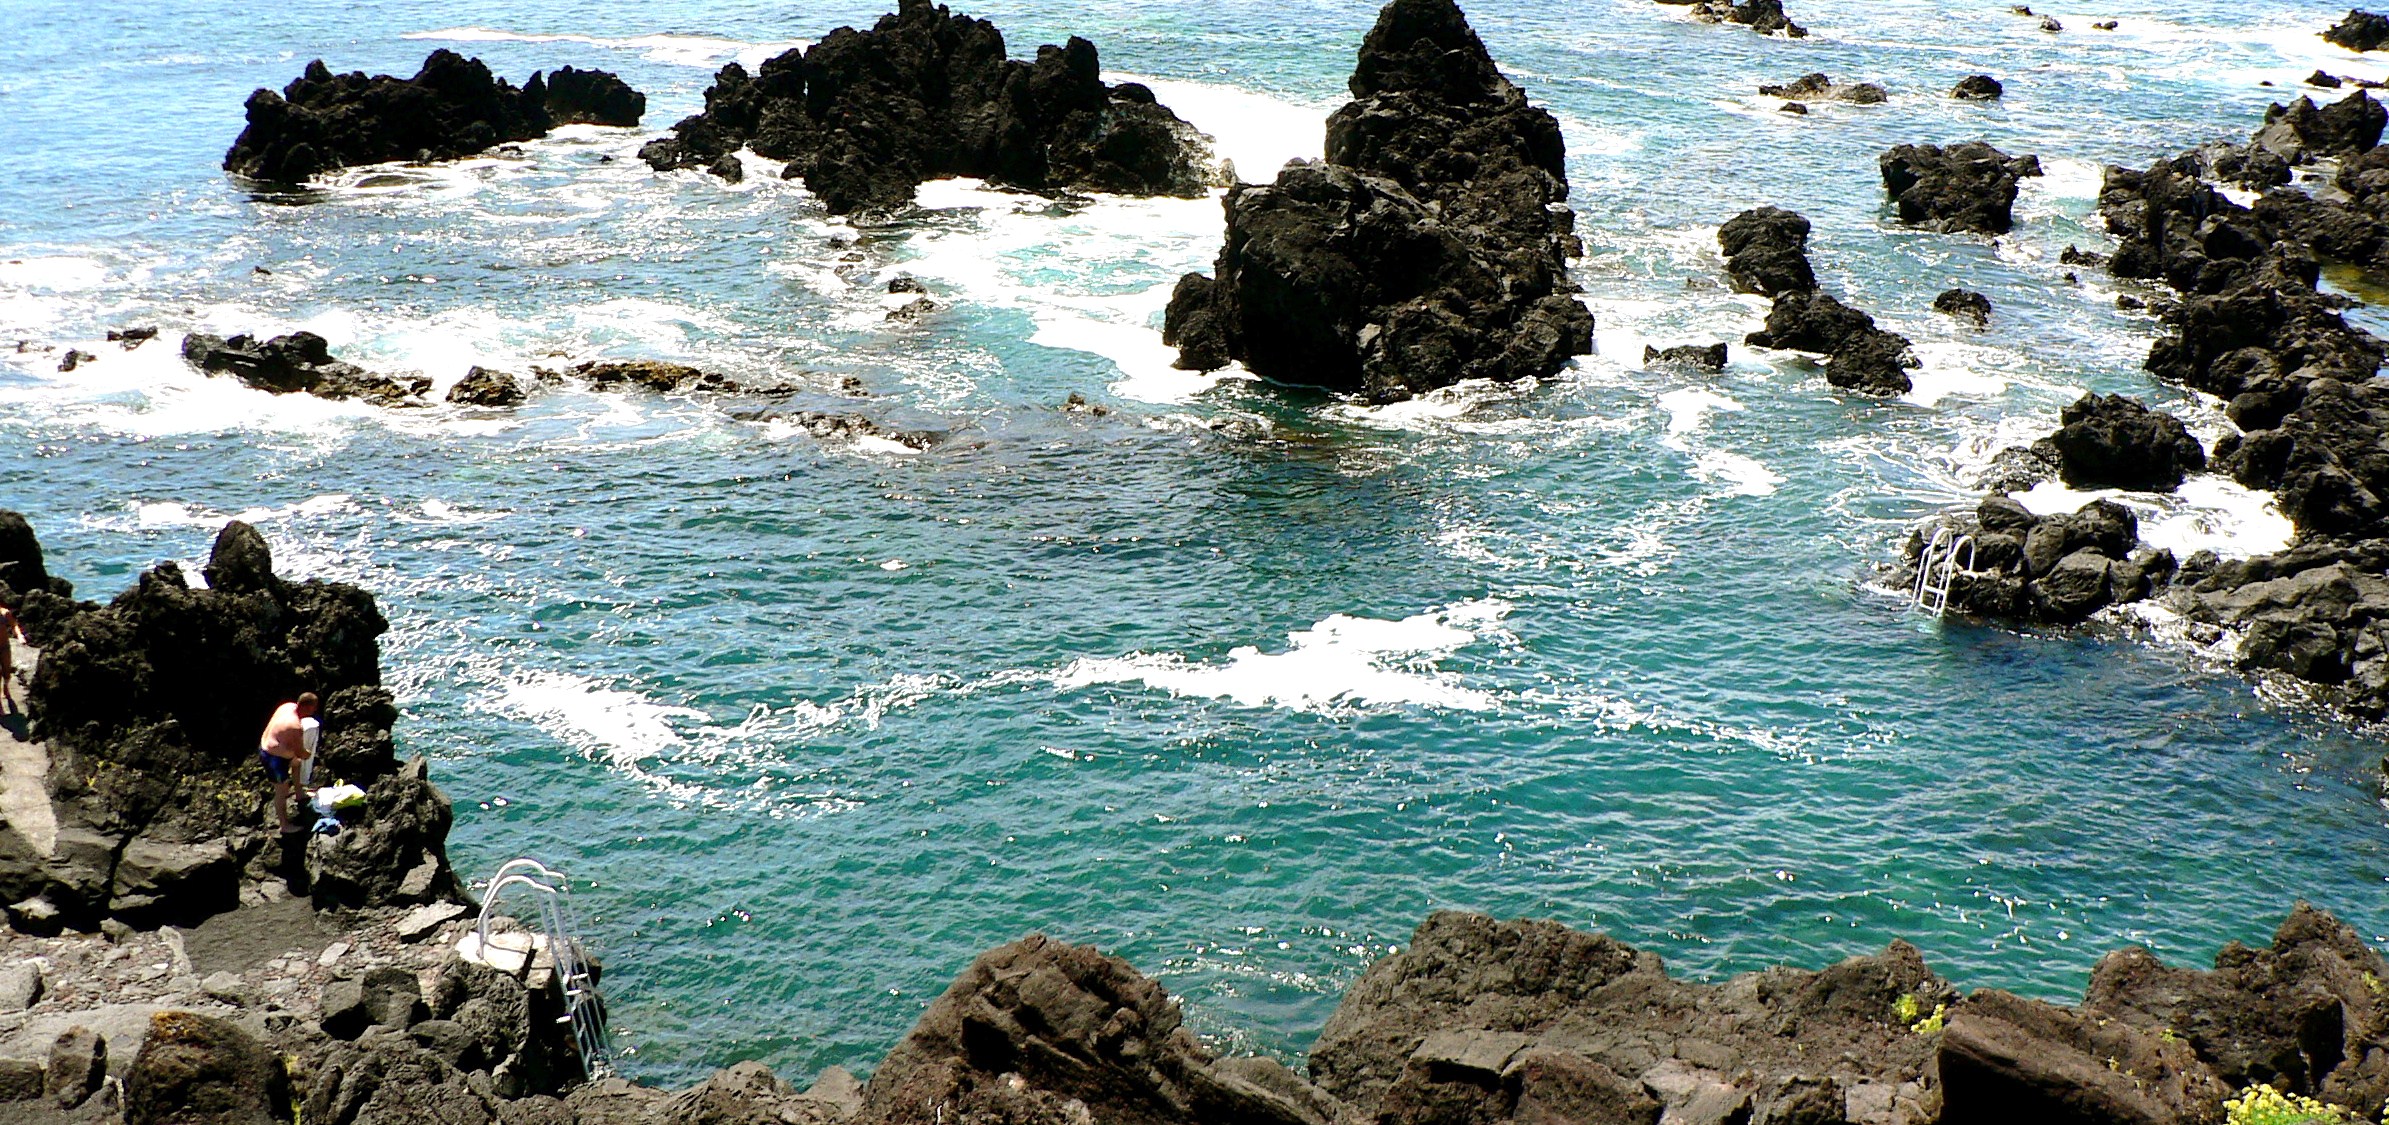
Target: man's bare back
<point>283,737</point>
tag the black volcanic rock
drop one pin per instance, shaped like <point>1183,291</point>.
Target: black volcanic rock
<point>1820,87</point>
<point>2301,133</point>
<point>1964,187</point>
<point>1709,357</point>
<point>1427,248</point>
<point>585,97</point>
<point>484,387</point>
<point>1858,355</point>
<point>1964,303</point>
<point>21,568</point>
<point>151,708</point>
<point>2110,441</point>
<point>2360,31</point>
<point>864,117</point>
<point>452,107</point>
<point>1977,87</point>
<point>1766,252</point>
<point>1763,16</point>
<point>300,362</point>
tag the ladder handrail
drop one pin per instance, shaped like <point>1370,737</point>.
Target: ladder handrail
<point>1932,593</point>
<point>559,924</point>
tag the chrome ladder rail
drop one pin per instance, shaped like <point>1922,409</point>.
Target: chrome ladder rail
<point>559,925</point>
<point>1937,570</point>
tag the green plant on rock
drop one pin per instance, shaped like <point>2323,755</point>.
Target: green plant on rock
<point>2264,1105</point>
<point>1932,1024</point>
<point>1906,1008</point>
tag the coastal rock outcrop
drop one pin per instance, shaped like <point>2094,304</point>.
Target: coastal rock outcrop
<point>2360,31</point>
<point>864,117</point>
<point>2056,569</point>
<point>1819,87</point>
<point>300,362</point>
<point>1043,1031</point>
<point>1966,304</point>
<point>482,386</point>
<point>149,708</point>
<point>1978,88</point>
<point>1429,247</point>
<point>1763,16</point>
<point>2110,441</point>
<point>1766,251</point>
<point>1960,188</point>
<point>452,107</point>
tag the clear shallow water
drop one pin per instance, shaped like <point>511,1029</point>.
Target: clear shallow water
<point>1236,683</point>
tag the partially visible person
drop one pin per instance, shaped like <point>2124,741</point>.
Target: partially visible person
<point>12,633</point>
<point>285,741</point>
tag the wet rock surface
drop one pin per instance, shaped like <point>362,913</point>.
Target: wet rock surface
<point>1428,247</point>
<point>1767,253</point>
<point>1819,87</point>
<point>1763,16</point>
<point>2360,31</point>
<point>1965,304</point>
<point>299,363</point>
<point>1968,187</point>
<point>482,386</point>
<point>452,107</point>
<point>1978,88</point>
<point>2110,441</point>
<point>864,117</point>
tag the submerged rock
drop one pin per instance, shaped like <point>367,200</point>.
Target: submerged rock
<point>300,362</point>
<point>452,107</point>
<point>1964,187</point>
<point>1429,247</point>
<point>2360,31</point>
<point>864,117</point>
<point>2109,441</point>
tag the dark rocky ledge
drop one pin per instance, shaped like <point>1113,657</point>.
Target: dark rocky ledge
<point>1964,187</point>
<point>452,107</point>
<point>1763,16</point>
<point>2247,324</point>
<point>145,715</point>
<point>2360,31</point>
<point>299,363</point>
<point>1766,252</point>
<point>1429,247</point>
<point>864,117</point>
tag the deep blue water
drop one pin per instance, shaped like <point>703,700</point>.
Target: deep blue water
<point>1235,682</point>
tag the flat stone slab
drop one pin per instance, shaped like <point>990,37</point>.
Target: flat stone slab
<point>423,921</point>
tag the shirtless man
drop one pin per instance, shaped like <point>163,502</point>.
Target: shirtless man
<point>284,742</point>
<point>11,632</point>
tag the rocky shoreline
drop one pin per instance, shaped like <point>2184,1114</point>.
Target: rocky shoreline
<point>349,982</point>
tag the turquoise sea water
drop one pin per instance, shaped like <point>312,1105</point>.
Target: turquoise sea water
<point>1235,682</point>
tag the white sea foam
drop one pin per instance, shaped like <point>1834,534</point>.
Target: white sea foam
<point>677,50</point>
<point>624,729</point>
<point>1002,256</point>
<point>2208,512</point>
<point>1688,409</point>
<point>170,513</point>
<point>1338,663</point>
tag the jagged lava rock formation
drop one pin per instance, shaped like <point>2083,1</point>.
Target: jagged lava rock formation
<point>148,710</point>
<point>1766,252</point>
<point>1427,248</point>
<point>867,116</point>
<point>452,107</point>
<point>299,363</point>
<point>1964,187</point>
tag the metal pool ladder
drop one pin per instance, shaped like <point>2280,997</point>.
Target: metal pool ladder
<point>557,928</point>
<point>1937,569</point>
